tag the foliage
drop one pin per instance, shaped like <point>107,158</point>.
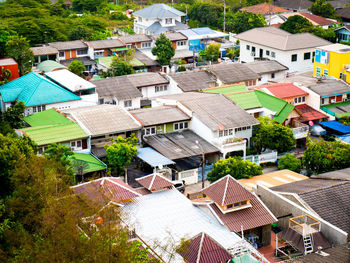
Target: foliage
<point>88,5</point>
<point>118,16</point>
<point>232,53</point>
<point>13,115</point>
<point>121,152</point>
<point>120,67</point>
<point>79,167</point>
<point>181,69</point>
<point>206,13</point>
<point>164,50</point>
<point>234,166</point>
<point>323,156</point>
<point>323,8</point>
<point>60,154</point>
<point>345,120</point>
<point>272,135</point>
<point>77,67</point>
<point>18,48</point>
<point>243,21</point>
<point>289,161</point>
<point>212,52</point>
<point>327,34</point>
<point>296,24</point>
<point>5,35</point>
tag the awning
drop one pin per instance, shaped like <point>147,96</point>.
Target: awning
<point>152,157</point>
<point>308,113</point>
<point>336,126</point>
<point>119,49</point>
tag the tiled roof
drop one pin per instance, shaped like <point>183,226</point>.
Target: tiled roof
<point>343,174</point>
<point>147,79</point>
<point>230,73</point>
<point>264,9</point>
<point>314,19</point>
<point>294,5</point>
<point>94,163</point>
<point>329,87</point>
<point>105,189</point>
<point>50,65</point>
<point>336,254</point>
<point>266,66</point>
<point>203,249</point>
<point>308,113</point>
<point>158,11</point>
<point>107,43</point>
<point>227,191</point>
<point>284,90</point>
<point>129,39</point>
<point>34,89</point>
<point>68,45</point>
<point>47,117</point>
<point>193,80</point>
<point>155,182</point>
<point>44,50</point>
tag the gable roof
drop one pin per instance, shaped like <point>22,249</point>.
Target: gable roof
<point>158,11</point>
<point>343,12</point>
<point>155,182</point>
<point>94,163</point>
<point>264,9</point>
<point>284,90</point>
<point>46,117</point>
<point>308,113</point>
<point>328,87</point>
<point>68,45</point>
<point>230,73</point>
<point>203,249</point>
<point>294,5</point>
<point>34,89</point>
<point>106,44</point>
<point>314,19</point>
<point>173,36</point>
<point>147,79</point>
<point>193,80</point>
<point>265,66</point>
<point>227,89</point>
<point>279,39</point>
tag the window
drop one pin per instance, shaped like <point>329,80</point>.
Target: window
<point>242,128</point>
<point>313,56</point>
<point>150,131</point>
<point>298,100</point>
<point>181,43</point>
<point>101,101</point>
<point>82,51</point>
<point>272,75</point>
<point>322,101</point>
<point>168,20</point>
<point>318,71</point>
<point>229,206</point>
<point>325,72</point>
<point>146,44</point>
<point>72,144</point>
<point>236,204</point>
<point>180,125</point>
<point>248,47</point>
<point>307,56</point>
<point>221,133</point>
<point>98,54</point>
<point>294,57</point>
<point>253,49</point>
<point>243,202</point>
<point>161,88</point>
<point>140,19</point>
<point>273,54</point>
<point>267,52</point>
<point>127,103</point>
<point>78,144</point>
<point>34,109</point>
<point>61,54</point>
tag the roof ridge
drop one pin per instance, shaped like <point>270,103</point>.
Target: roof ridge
<point>340,182</point>
<point>226,185</point>
<point>122,186</point>
<point>200,248</point>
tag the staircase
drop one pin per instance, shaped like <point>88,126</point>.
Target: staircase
<point>308,247</point>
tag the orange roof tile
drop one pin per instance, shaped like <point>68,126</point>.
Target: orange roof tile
<point>264,9</point>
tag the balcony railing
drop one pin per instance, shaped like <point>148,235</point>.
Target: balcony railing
<point>300,131</point>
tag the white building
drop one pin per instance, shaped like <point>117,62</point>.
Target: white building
<point>295,51</point>
<point>268,70</point>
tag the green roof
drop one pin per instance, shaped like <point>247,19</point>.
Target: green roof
<point>246,100</point>
<point>50,65</point>
<point>339,109</point>
<point>43,135</point>
<point>136,63</point>
<point>47,117</point>
<point>94,163</point>
<point>107,61</point>
<point>227,90</point>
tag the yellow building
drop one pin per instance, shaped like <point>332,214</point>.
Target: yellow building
<point>333,60</point>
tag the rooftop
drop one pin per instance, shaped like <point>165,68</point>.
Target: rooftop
<point>264,9</point>
<point>339,48</point>
<point>314,19</point>
<point>68,45</point>
<point>227,89</point>
<point>129,39</point>
<point>173,36</point>
<point>46,117</point>
<point>50,65</point>
<point>159,11</point>
<point>152,157</point>
<point>7,61</point>
<point>193,80</point>
<point>328,87</point>
<point>284,90</point>
<point>343,174</point>
<point>308,113</point>
<point>155,182</point>
<point>44,50</point>
<point>230,73</point>
<point>146,79</point>
<point>294,5</point>
<point>106,44</point>
<point>94,164</point>
<point>265,66</point>
<point>335,255</point>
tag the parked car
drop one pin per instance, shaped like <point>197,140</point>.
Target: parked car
<point>317,130</point>
<point>226,59</point>
<point>179,185</point>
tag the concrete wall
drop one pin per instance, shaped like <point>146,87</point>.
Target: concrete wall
<point>281,206</point>
<point>265,78</point>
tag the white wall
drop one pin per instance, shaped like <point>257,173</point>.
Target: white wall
<point>173,86</point>
<point>266,78</point>
<point>149,92</point>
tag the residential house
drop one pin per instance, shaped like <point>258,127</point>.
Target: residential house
<point>343,33</point>
<point>103,123</point>
<point>295,51</point>
<point>178,40</point>
<point>94,165</point>
<point>137,41</point>
<point>191,80</point>
<point>43,53</point>
<point>158,18</point>
<point>151,65</point>
<point>11,65</point>
<point>268,70</point>
<point>334,61</point>
<point>295,6</point>
<point>234,73</point>
<point>48,66</point>
<point>38,93</point>
<point>155,182</point>
<point>215,118</point>
<point>51,126</point>
<point>238,209</point>
<point>265,9</point>
<point>315,20</point>
<point>105,48</point>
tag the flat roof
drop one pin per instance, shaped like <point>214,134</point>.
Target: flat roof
<point>339,48</point>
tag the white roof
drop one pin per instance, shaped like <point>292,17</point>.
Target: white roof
<point>69,80</point>
<point>339,48</point>
<point>167,216</point>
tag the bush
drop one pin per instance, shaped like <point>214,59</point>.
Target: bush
<point>181,68</point>
<point>290,162</point>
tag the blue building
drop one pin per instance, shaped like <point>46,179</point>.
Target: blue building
<point>343,33</point>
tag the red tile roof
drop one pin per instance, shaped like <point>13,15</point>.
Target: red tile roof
<point>203,249</point>
<point>284,90</point>
<point>227,191</point>
<point>319,20</point>
<point>154,182</point>
<point>308,113</point>
<point>264,8</point>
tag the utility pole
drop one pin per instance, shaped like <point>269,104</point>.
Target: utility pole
<point>203,163</point>
<point>224,15</point>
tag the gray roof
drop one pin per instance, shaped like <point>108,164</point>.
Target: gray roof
<point>329,87</point>
<point>266,66</point>
<point>343,174</point>
<point>129,39</point>
<point>338,4</point>
<point>230,73</point>
<point>119,87</point>
<point>68,45</point>
<point>344,12</point>
<point>177,145</point>
<point>215,110</point>
<point>159,11</point>
<point>104,119</point>
<point>147,79</point>
<point>156,28</point>
<point>292,4</point>
<point>336,255</point>
<point>279,39</point>
<point>144,59</point>
<point>44,50</point>
<point>159,115</point>
<point>173,36</point>
<point>193,80</point>
<point>108,43</point>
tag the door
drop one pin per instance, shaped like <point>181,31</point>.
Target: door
<point>261,53</point>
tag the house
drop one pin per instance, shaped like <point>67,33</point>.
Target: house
<point>11,65</point>
<point>162,119</point>
<point>178,40</point>
<point>49,65</point>
<point>191,80</point>
<point>234,73</point>
<point>343,33</point>
<point>104,48</point>
<point>137,41</point>
<point>43,53</point>
<point>315,20</point>
<point>38,93</point>
<point>295,6</point>
<point>155,182</point>
<point>334,61</point>
<point>264,9</point>
<point>104,123</point>
<point>90,64</point>
<point>295,51</point>
<point>94,166</point>
<point>238,209</point>
<point>268,70</point>
<point>157,19</point>
<point>215,118</point>
<point>51,126</point>
<point>70,49</point>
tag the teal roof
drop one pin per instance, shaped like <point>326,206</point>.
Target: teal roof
<point>94,163</point>
<point>50,65</point>
<point>34,89</point>
<point>47,117</point>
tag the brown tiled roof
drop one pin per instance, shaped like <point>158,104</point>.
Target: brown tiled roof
<point>336,255</point>
<point>154,182</point>
<point>264,9</point>
<point>227,191</point>
<point>255,216</point>
<point>203,249</point>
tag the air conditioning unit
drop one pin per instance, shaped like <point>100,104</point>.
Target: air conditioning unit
<point>347,67</point>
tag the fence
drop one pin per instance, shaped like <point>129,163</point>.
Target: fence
<point>262,158</point>
<point>189,176</point>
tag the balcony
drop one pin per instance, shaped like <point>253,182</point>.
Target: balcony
<point>300,131</point>
<point>230,144</point>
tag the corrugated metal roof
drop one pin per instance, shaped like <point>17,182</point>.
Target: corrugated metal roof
<point>227,89</point>
<point>246,100</point>
<point>68,45</point>
<point>158,11</point>
<point>152,157</point>
<point>308,113</point>
<point>129,39</point>
<point>7,61</point>
<point>106,44</point>
<point>266,66</point>
<point>47,117</point>
<point>44,50</point>
<point>230,73</point>
<point>284,90</point>
<point>193,80</point>
<point>337,126</point>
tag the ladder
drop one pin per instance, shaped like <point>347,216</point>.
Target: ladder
<point>308,247</point>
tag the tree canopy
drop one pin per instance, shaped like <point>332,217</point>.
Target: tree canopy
<point>164,50</point>
<point>323,8</point>
<point>290,162</point>
<point>77,67</point>
<point>243,21</point>
<point>211,52</point>
<point>120,67</point>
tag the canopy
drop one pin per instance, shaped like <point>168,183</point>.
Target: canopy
<point>337,126</point>
<point>152,157</point>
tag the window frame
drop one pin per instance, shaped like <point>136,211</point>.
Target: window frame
<point>294,58</point>
<point>127,102</point>
<point>307,57</point>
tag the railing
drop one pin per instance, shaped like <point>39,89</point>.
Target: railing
<point>300,131</point>
<point>189,176</point>
<point>262,158</point>
<point>305,224</point>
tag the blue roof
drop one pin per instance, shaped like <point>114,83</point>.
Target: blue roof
<point>34,89</point>
<point>337,126</point>
<point>344,138</point>
<point>152,157</point>
<point>159,11</point>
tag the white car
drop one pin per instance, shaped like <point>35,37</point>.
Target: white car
<point>226,59</point>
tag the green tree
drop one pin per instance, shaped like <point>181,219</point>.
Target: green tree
<point>206,13</point>
<point>272,135</point>
<point>234,166</point>
<point>296,24</point>
<point>80,33</point>
<point>243,21</point>
<point>327,34</point>
<point>80,167</point>
<point>77,67</point>
<point>14,115</point>
<point>88,5</point>
<point>290,162</point>
<point>119,67</point>
<point>164,50</point>
<point>121,152</point>
<point>5,36</point>
<point>322,8</point>
<point>212,52</point>
<point>18,48</point>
